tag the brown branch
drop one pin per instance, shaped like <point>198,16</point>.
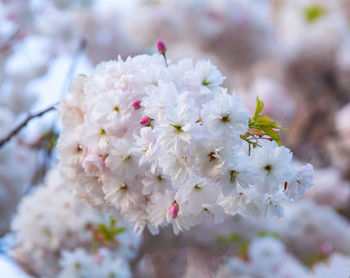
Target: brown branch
<point>24,123</point>
<point>6,45</point>
<point>82,46</point>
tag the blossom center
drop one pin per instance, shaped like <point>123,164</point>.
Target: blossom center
<point>212,156</point>
<point>233,175</point>
<point>178,128</point>
<point>225,118</point>
<point>122,188</point>
<point>205,82</point>
<point>79,148</point>
<point>77,266</point>
<point>127,158</point>
<point>268,168</point>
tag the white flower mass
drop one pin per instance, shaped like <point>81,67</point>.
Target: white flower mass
<point>54,231</point>
<point>161,146</point>
<point>104,264</point>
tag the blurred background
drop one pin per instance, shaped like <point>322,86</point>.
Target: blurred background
<point>293,54</point>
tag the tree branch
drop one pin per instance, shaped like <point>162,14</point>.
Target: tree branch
<point>24,123</point>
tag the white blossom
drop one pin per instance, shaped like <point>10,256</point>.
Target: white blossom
<point>161,145</point>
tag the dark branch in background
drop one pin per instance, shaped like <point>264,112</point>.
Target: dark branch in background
<point>6,45</point>
<point>24,123</point>
<point>80,49</point>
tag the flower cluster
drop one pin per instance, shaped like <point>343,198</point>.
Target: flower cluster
<point>163,145</point>
<point>266,257</point>
<point>104,264</point>
<point>317,242</point>
<point>330,189</point>
<point>336,266</point>
<point>305,24</point>
<point>52,220</point>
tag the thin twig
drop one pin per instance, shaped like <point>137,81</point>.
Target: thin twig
<point>165,60</point>
<point>81,48</point>
<point>7,44</point>
<point>24,123</point>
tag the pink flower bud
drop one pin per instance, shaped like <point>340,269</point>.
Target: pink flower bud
<point>93,164</point>
<point>146,121</point>
<point>326,248</point>
<point>136,104</point>
<point>174,210</point>
<point>161,47</point>
<point>276,130</point>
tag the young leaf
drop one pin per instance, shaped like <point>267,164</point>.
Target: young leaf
<point>256,131</point>
<point>265,121</point>
<point>259,107</point>
<point>274,136</point>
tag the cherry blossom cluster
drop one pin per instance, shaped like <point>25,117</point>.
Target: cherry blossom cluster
<point>307,237</point>
<point>104,264</point>
<point>308,23</point>
<point>268,257</point>
<point>51,221</point>
<point>336,266</point>
<point>330,189</point>
<point>162,145</point>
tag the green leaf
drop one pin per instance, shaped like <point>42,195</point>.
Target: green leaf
<point>112,221</point>
<point>259,107</point>
<point>260,125</point>
<point>273,134</point>
<point>265,121</point>
<point>109,232</point>
<point>102,228</point>
<point>256,131</point>
<point>119,230</point>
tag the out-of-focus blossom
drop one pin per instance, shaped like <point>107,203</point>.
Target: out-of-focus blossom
<point>303,230</point>
<point>51,220</point>
<point>330,188</point>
